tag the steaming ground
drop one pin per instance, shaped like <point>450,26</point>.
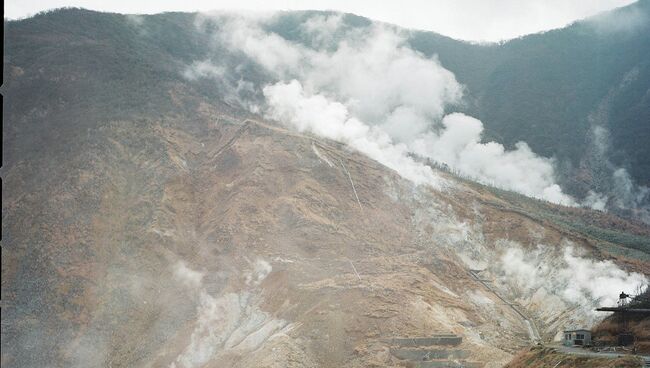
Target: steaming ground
<point>209,237</point>
<point>231,323</point>
<point>248,245</point>
<point>367,88</point>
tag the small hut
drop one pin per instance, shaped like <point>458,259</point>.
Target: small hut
<point>577,337</point>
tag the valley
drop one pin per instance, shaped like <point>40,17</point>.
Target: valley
<point>172,197</point>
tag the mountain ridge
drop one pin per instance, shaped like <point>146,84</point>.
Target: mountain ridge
<point>490,97</point>
<point>150,221</point>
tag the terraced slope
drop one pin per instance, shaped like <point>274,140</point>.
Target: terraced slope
<point>147,222</point>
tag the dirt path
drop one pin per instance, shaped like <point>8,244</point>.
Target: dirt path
<point>533,332</point>
<point>579,351</point>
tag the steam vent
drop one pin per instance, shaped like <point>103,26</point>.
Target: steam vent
<point>319,189</point>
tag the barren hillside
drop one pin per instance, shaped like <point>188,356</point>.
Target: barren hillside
<point>241,243</point>
<point>184,232</point>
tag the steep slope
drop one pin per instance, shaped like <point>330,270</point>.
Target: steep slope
<point>271,227</point>
<point>540,357</point>
<point>611,327</point>
<point>246,238</point>
<point>552,90</point>
<point>549,89</point>
<point>147,222</point>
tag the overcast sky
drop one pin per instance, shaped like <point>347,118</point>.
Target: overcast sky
<point>478,20</point>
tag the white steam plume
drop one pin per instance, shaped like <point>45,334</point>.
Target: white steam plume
<point>289,103</point>
<point>203,69</point>
<point>579,281</point>
<point>621,191</point>
<point>368,88</point>
<point>624,20</point>
<point>227,323</point>
<point>459,146</point>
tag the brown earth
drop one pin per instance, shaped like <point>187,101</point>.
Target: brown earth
<point>547,357</point>
<point>242,244</point>
<point>147,223</point>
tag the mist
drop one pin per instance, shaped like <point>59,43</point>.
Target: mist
<point>366,87</point>
<point>230,322</point>
<point>623,20</point>
<point>579,281</point>
<point>299,189</point>
<point>615,189</point>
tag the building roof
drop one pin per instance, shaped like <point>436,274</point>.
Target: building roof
<point>577,330</point>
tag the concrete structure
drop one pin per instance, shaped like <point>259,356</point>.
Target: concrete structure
<point>442,339</point>
<point>577,337</point>
<point>432,351</point>
<point>428,354</point>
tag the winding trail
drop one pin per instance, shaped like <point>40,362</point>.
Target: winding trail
<point>351,182</point>
<point>533,332</point>
<point>579,351</point>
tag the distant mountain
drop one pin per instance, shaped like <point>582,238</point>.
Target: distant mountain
<point>550,89</point>
<point>152,219</point>
<point>553,89</point>
<point>579,94</point>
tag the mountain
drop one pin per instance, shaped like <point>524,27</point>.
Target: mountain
<point>577,94</point>
<point>548,89</point>
<point>149,219</point>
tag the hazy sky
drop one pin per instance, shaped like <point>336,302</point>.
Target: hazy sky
<point>481,20</point>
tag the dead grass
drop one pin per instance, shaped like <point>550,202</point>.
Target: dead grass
<point>607,331</point>
<point>546,357</point>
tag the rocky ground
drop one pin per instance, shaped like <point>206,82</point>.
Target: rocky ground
<point>225,242</point>
<point>150,221</point>
<point>547,357</point>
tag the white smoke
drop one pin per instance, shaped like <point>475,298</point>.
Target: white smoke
<point>135,19</point>
<point>322,29</point>
<point>601,281</point>
<point>459,146</point>
<point>624,20</point>
<point>366,87</point>
<point>290,104</point>
<point>261,269</point>
<point>204,69</point>
<point>232,322</point>
<point>187,276</point>
<point>626,193</point>
<point>622,192</point>
<point>579,281</point>
<point>244,32</point>
<point>595,200</point>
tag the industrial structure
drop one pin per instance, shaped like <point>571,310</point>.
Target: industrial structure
<point>629,307</point>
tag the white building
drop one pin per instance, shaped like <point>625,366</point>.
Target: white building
<point>577,337</point>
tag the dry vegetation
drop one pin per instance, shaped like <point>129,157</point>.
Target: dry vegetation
<point>538,357</point>
<point>639,325</point>
<point>119,173</point>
